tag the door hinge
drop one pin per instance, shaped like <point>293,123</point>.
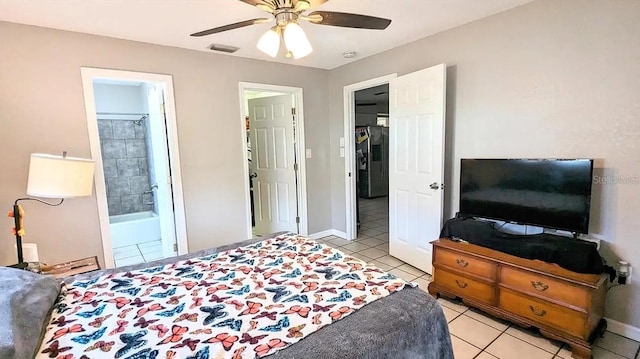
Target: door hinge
<point>175,247</point>
<point>295,166</point>
<point>168,179</point>
<point>293,111</point>
<point>297,219</point>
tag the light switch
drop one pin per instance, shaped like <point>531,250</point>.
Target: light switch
<point>308,153</point>
<point>342,142</point>
<point>342,152</point>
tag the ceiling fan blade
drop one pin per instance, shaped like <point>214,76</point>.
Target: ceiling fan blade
<point>230,27</point>
<point>349,20</point>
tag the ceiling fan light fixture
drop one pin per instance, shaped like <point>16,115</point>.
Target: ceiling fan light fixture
<point>296,40</point>
<point>269,42</point>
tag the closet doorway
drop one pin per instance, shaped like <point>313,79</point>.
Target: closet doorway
<point>132,132</point>
<point>273,143</point>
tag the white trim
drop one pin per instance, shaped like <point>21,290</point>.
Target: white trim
<point>166,81</point>
<point>300,149</point>
<point>340,234</point>
<point>327,233</point>
<point>625,330</point>
<point>322,234</point>
<point>350,148</point>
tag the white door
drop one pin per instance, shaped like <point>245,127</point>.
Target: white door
<point>416,164</point>
<point>273,161</point>
<point>159,170</point>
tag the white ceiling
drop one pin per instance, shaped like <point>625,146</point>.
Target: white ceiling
<point>169,22</point>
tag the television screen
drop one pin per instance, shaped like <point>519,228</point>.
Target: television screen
<point>550,193</point>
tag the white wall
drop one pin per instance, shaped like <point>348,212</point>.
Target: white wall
<point>118,99</point>
<point>547,79</point>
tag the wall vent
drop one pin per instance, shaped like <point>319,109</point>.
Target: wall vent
<point>223,48</point>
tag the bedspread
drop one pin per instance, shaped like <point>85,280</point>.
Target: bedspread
<point>245,302</point>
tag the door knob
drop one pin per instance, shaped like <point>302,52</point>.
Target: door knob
<point>434,185</point>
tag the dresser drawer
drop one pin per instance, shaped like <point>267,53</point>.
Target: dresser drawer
<point>466,264</point>
<point>544,312</point>
<point>546,287</point>
<point>465,287</point>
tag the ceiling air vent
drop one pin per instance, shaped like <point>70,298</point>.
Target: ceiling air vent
<point>223,48</point>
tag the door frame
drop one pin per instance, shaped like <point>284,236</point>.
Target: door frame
<point>301,174</point>
<point>89,74</point>
<point>350,148</point>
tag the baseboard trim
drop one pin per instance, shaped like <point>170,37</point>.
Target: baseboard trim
<point>327,233</point>
<point>322,234</point>
<point>340,234</point>
<point>623,329</point>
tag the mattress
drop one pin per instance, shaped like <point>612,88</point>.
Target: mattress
<point>405,324</point>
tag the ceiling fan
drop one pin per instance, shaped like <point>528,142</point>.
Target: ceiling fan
<point>287,13</point>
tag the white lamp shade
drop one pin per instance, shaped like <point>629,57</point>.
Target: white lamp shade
<point>269,43</point>
<point>59,177</point>
<point>296,41</point>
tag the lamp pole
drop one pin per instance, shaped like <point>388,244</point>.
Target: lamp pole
<point>16,218</point>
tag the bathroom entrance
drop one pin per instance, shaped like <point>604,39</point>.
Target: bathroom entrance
<point>132,132</point>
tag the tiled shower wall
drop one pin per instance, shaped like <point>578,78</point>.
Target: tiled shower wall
<point>124,156</point>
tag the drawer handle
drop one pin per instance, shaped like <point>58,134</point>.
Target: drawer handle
<point>462,263</point>
<point>539,286</point>
<point>461,284</point>
<point>539,313</point>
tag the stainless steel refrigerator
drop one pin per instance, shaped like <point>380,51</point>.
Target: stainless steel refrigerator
<point>372,150</point>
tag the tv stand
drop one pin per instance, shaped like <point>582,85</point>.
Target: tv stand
<point>564,305</point>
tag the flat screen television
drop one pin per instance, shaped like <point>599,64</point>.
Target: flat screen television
<point>550,193</point>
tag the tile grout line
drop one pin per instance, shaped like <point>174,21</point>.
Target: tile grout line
<point>612,352</point>
<point>543,349</point>
<point>481,350</point>
<point>141,254</point>
<point>504,332</point>
<point>496,338</point>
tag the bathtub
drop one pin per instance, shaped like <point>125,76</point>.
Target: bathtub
<point>134,228</point>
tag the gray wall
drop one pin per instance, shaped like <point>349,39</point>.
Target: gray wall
<point>548,79</point>
<point>43,111</point>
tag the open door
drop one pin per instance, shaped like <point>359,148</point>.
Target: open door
<point>274,164</point>
<point>416,164</point>
<point>160,171</point>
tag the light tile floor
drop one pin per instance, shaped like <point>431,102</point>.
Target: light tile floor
<point>138,253</point>
<point>473,333</point>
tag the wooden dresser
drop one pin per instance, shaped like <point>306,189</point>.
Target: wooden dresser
<point>562,304</point>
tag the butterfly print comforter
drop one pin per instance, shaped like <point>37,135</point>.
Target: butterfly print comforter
<point>243,303</point>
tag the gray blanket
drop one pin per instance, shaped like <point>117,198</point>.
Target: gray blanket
<point>406,324</point>
<point>26,299</point>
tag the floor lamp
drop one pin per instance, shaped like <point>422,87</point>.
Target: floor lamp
<point>52,177</point>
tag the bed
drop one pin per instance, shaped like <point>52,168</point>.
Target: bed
<point>362,312</point>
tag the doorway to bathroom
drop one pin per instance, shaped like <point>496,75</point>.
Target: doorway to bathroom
<point>132,130</point>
